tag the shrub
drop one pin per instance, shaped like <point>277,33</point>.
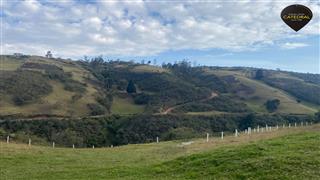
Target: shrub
<point>96,109</point>
<point>74,86</point>
<point>272,105</point>
<point>142,98</point>
<point>105,101</point>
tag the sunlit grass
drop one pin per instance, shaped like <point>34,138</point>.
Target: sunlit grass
<point>284,154</point>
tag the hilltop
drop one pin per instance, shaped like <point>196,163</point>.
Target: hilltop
<point>34,86</point>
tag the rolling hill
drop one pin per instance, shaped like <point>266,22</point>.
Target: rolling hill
<point>33,86</point>
<point>283,154</point>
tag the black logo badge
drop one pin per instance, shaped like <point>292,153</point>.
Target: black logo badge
<point>296,16</point>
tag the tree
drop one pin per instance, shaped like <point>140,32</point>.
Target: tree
<point>317,116</point>
<point>131,88</point>
<point>247,121</point>
<point>272,105</point>
<point>96,109</point>
<point>259,74</point>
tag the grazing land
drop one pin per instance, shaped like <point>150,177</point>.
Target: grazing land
<point>66,88</point>
<point>290,153</point>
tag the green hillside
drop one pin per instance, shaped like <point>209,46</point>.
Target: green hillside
<point>261,92</point>
<point>284,154</point>
<point>69,88</point>
<point>34,86</point>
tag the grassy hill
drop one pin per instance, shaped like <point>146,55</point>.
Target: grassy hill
<point>261,92</point>
<point>291,153</point>
<point>61,100</point>
<point>36,86</point>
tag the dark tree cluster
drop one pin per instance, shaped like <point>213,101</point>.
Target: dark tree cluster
<point>272,105</point>
<point>119,130</point>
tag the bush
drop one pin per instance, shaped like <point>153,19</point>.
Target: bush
<point>74,86</point>
<point>67,138</point>
<point>180,133</point>
<point>142,98</point>
<point>96,109</point>
<point>105,101</point>
<point>272,105</point>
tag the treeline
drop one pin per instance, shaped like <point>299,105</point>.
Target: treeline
<point>222,103</point>
<point>120,130</point>
<point>308,77</point>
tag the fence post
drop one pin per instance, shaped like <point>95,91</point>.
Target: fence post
<point>295,124</point>
<point>222,135</point>
<point>29,142</point>
<point>157,139</point>
<point>53,144</point>
<point>289,125</point>
<point>283,126</point>
<point>306,123</point>
<point>258,129</point>
<point>266,127</point>
<point>8,139</point>
<point>72,146</point>
<point>236,133</point>
<point>111,146</point>
<point>207,137</point>
<point>277,126</point>
<point>301,123</point>
<point>92,146</point>
<point>254,130</point>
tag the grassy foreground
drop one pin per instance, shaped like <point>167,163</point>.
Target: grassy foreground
<point>284,154</point>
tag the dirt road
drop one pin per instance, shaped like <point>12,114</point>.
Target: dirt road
<point>170,109</point>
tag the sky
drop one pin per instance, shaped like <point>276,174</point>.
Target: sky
<point>216,33</point>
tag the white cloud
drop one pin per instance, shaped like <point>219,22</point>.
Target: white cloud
<point>138,28</point>
<point>31,5</point>
<point>290,45</point>
<point>93,22</point>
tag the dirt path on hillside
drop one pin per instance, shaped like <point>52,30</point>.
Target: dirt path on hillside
<point>170,109</point>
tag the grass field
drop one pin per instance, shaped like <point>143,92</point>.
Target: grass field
<point>284,154</point>
<point>125,106</point>
<point>150,69</point>
<point>9,64</point>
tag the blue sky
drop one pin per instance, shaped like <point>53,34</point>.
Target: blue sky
<point>218,33</point>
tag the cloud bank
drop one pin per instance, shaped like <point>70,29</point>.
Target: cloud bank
<point>144,28</point>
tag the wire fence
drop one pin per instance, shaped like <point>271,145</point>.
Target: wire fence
<point>221,135</point>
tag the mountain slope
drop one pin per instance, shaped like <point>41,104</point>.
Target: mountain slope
<point>69,84</point>
<point>38,86</point>
<point>260,92</point>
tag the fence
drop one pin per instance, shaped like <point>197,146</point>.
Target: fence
<point>248,131</point>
